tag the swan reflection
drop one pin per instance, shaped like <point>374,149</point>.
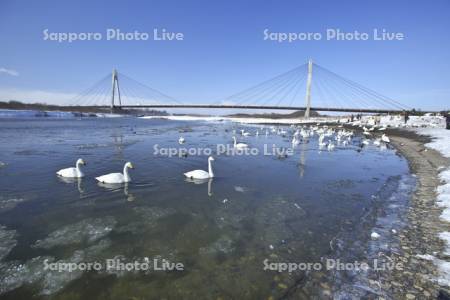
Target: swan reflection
<point>202,181</point>
<point>73,181</point>
<point>118,186</point>
<point>302,162</point>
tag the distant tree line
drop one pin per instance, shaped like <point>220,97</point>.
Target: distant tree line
<point>17,105</point>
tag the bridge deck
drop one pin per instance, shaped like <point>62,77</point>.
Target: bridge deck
<point>211,106</point>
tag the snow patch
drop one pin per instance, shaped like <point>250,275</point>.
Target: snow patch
<point>441,143</point>
<point>425,256</point>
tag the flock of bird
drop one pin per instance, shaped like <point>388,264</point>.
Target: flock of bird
<point>328,137</point>
<point>108,178</point>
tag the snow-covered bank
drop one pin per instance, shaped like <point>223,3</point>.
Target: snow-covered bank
<point>247,120</point>
<point>398,121</point>
<point>441,143</point>
<point>434,127</point>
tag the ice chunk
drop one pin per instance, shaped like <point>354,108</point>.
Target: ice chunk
<point>9,203</point>
<point>88,230</point>
<point>53,281</point>
<point>374,236</point>
<point>14,274</point>
<point>425,256</point>
<point>223,245</point>
<point>7,241</point>
<point>239,189</point>
<point>147,218</point>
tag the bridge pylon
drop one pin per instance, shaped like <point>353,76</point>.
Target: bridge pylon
<point>308,89</point>
<point>115,84</point>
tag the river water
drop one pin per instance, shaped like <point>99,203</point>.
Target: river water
<point>259,208</point>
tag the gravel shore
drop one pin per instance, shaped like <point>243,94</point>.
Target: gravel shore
<point>418,280</point>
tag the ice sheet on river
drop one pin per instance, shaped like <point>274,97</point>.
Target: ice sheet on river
<point>223,245</point>
<point>14,274</point>
<point>85,231</point>
<point>146,218</point>
<point>7,241</point>
<point>9,203</point>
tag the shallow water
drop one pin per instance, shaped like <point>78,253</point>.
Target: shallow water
<point>257,207</point>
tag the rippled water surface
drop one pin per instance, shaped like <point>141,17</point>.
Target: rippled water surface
<point>257,207</point>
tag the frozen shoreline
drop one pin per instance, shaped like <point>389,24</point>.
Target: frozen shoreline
<point>431,204</point>
<point>441,143</point>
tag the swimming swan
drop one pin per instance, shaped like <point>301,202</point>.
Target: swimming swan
<point>244,133</point>
<point>200,174</point>
<point>73,172</point>
<point>117,177</point>
<point>385,138</point>
<point>239,145</point>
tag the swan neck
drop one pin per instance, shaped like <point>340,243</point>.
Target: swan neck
<point>79,169</point>
<point>234,139</point>
<point>125,174</point>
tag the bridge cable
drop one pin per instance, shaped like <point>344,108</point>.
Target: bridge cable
<point>365,90</point>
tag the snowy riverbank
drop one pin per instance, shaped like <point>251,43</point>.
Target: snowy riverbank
<point>441,143</point>
<point>433,127</point>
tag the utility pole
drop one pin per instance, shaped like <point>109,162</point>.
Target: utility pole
<point>115,80</point>
<point>308,89</point>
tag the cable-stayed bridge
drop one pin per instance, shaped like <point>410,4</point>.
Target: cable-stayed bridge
<point>309,87</point>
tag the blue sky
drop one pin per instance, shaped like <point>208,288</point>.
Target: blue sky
<point>223,50</point>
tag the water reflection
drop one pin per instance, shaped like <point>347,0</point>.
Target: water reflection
<point>73,181</point>
<point>202,181</point>
<point>130,196</point>
<point>117,187</point>
<point>118,145</point>
<point>302,162</point>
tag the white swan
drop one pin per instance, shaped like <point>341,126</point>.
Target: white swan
<point>244,133</point>
<point>385,138</point>
<point>73,172</point>
<point>117,177</point>
<point>295,141</point>
<point>181,140</point>
<point>200,174</point>
<point>321,141</point>
<point>330,146</point>
<point>239,145</point>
